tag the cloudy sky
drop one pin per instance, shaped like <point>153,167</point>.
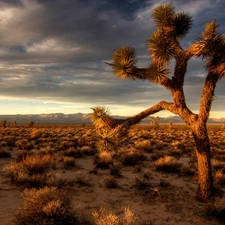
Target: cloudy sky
<point>53,54</point>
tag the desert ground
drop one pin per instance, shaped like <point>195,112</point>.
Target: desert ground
<point>149,179</point>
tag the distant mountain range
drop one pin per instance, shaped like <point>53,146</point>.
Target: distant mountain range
<point>80,118</point>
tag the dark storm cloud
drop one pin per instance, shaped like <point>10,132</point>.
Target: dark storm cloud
<point>56,49</point>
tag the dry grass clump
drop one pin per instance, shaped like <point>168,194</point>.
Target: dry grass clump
<point>73,152</point>
<point>217,211</point>
<point>103,159</point>
<point>68,162</point>
<point>217,164</point>
<point>168,164</point>
<point>30,170</point>
<point>144,145</point>
<point>5,154</point>
<point>35,134</point>
<point>67,144</point>
<point>219,177</point>
<point>140,183</point>
<point>46,206</point>
<point>88,150</point>
<point>176,152</point>
<point>24,144</point>
<point>106,217</point>
<point>82,180</point>
<point>131,157</point>
<point>115,170</point>
<point>110,182</point>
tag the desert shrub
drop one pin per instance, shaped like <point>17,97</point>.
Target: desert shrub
<point>216,211</point>
<point>36,164</point>
<point>141,183</point>
<point>88,150</point>
<point>35,134</point>
<point>21,154</point>
<point>68,162</point>
<point>73,152</point>
<point>144,145</point>
<point>3,143</point>
<point>106,217</point>
<point>110,182</point>
<point>187,170</point>
<point>30,170</point>
<point>82,180</point>
<point>176,152</point>
<point>59,182</point>
<point>103,159</point>
<point>115,170</point>
<point>168,164</point>
<point>217,164</point>
<point>46,206</point>
<point>23,144</point>
<point>131,157</point>
<point>5,154</point>
<point>219,177</point>
<point>67,144</point>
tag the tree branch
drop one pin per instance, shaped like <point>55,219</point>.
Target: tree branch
<point>162,105</point>
<point>207,96</point>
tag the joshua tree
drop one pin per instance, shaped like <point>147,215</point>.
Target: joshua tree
<point>4,123</point>
<point>31,124</point>
<point>155,122</point>
<point>170,126</point>
<point>164,46</point>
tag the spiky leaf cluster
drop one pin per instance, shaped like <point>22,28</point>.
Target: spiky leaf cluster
<point>171,27</point>
<point>100,117</point>
<point>124,60</point>
<point>176,24</point>
<point>212,44</point>
<point>161,49</point>
<point>157,73</point>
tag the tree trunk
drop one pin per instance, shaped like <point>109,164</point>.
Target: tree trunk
<point>205,179</point>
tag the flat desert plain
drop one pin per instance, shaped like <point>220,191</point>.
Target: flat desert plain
<point>152,174</point>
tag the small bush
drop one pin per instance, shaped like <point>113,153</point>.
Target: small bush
<point>115,170</point>
<point>144,145</point>
<point>216,211</point>
<point>35,134</point>
<point>110,182</point>
<point>46,206</point>
<point>168,164</point>
<point>73,152</point>
<point>88,150</point>
<point>68,162</point>
<point>103,160</point>
<point>131,157</point>
<point>175,152</point>
<point>219,177</point>
<point>217,164</point>
<point>81,180</point>
<point>5,154</point>
<point>141,183</point>
<point>106,217</point>
<point>21,154</point>
<point>30,170</point>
